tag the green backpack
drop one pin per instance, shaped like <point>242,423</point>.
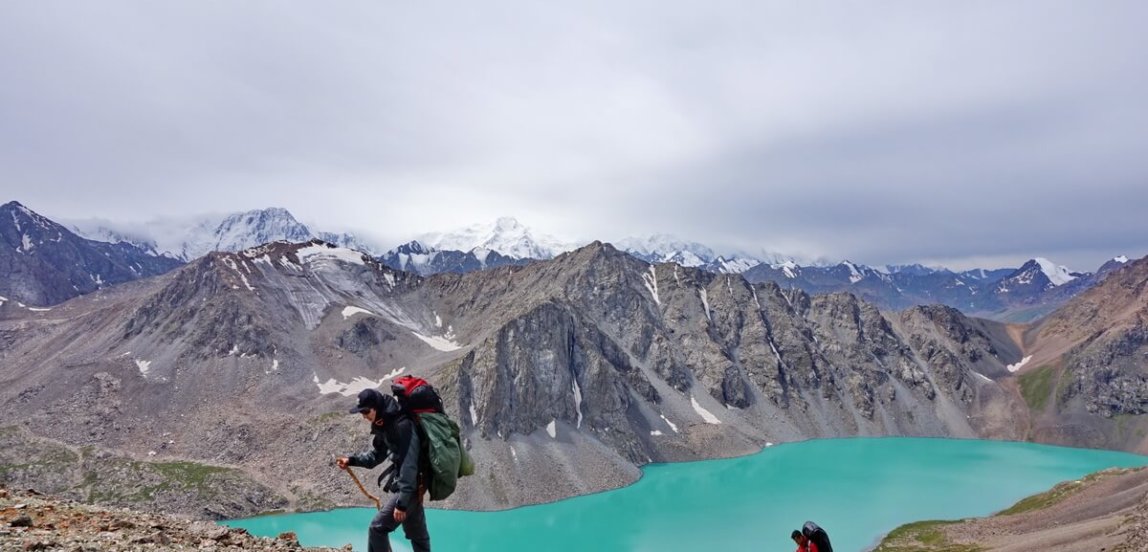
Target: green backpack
<point>447,459</point>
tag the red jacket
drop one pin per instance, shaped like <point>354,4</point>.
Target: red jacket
<point>809,546</point>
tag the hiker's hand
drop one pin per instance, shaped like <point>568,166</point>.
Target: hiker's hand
<point>342,462</point>
<point>400,515</point>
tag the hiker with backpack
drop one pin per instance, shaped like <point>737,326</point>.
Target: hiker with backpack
<point>394,434</point>
<point>803,544</point>
<point>814,537</point>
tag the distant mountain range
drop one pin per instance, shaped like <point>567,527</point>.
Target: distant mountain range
<point>1013,294</point>
<point>42,263</point>
<point>190,238</point>
<point>476,247</point>
<point>1020,294</point>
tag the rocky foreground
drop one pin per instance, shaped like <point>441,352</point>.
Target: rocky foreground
<point>1105,511</point>
<point>32,521</point>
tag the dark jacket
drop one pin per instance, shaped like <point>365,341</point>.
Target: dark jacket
<point>398,438</point>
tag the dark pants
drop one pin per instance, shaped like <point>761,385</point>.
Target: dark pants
<point>415,527</point>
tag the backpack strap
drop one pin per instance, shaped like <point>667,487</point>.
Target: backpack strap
<point>389,475</point>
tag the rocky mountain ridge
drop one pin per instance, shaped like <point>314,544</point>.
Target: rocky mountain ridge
<point>43,263</point>
<point>566,375</point>
<point>424,260</point>
<point>1009,295</point>
<point>1086,368</point>
<point>1018,295</point>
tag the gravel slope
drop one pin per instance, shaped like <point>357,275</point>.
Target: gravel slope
<point>1106,511</point>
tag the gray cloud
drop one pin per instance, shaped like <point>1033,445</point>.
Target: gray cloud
<point>955,133</point>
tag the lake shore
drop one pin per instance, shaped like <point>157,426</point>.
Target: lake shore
<point>1107,510</point>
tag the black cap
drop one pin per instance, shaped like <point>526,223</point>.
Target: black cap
<point>368,399</point>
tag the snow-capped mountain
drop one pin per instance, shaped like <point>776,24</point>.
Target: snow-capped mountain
<point>44,263</point>
<point>664,248</point>
<point>1112,264</point>
<point>1018,294</point>
<point>1033,289</point>
<point>418,258</point>
<point>506,241</point>
<point>190,238</point>
<point>1037,275</point>
<point>244,230</point>
<point>476,247</point>
<point>505,236</point>
<point>1057,275</point>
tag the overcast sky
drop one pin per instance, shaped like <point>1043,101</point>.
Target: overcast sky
<point>962,133</point>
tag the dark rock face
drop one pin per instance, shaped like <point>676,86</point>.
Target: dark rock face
<point>1108,390</point>
<point>44,263</point>
<point>363,336</point>
<point>1109,365</point>
<point>621,334</point>
<point>417,258</point>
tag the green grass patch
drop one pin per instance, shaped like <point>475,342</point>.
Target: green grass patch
<point>122,480</point>
<point>187,474</point>
<point>307,500</point>
<point>922,536</point>
<point>1036,387</point>
<point>1054,495</point>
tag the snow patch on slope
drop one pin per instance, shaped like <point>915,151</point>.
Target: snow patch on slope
<point>313,253</point>
<point>577,400</point>
<point>705,414</point>
<point>440,343</point>
<point>854,274</point>
<point>650,279</point>
<point>1019,365</point>
<point>352,311</point>
<point>346,389</point>
<point>1058,275</point>
<point>787,268</point>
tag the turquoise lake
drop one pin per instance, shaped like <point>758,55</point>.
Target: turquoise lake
<point>857,489</point>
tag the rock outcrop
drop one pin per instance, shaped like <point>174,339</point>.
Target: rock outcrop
<point>30,520</point>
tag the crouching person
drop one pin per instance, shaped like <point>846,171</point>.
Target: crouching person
<point>392,433</point>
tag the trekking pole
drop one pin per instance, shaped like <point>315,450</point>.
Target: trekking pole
<point>378,506</point>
